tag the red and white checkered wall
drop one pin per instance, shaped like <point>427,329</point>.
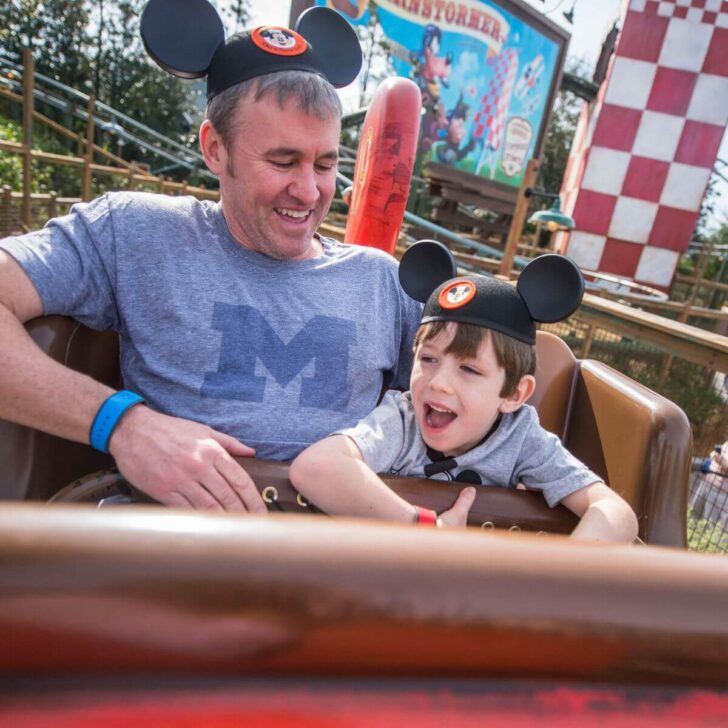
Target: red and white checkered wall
<point>644,148</point>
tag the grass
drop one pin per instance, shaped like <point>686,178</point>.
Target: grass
<point>704,535</point>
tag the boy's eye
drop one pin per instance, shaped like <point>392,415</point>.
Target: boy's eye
<point>469,369</point>
<point>426,358</point>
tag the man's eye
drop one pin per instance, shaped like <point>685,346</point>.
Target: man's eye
<point>325,167</point>
<point>281,165</point>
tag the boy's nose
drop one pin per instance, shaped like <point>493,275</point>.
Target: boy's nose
<point>440,381</point>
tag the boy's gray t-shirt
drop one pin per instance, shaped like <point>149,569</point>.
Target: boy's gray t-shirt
<point>275,353</point>
<point>518,451</point>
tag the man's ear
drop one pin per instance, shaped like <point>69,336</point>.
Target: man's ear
<point>522,392</point>
<point>212,148</point>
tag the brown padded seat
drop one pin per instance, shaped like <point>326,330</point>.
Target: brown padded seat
<point>637,440</point>
<point>34,465</point>
<point>555,373</point>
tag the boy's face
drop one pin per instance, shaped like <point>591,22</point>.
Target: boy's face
<point>456,400</point>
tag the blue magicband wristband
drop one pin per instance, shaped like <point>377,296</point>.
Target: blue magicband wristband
<point>109,416</point>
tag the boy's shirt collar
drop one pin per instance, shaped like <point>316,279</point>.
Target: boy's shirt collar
<point>442,463</point>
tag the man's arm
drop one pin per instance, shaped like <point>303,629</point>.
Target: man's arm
<point>175,461</point>
<point>333,475</point>
<point>605,515</point>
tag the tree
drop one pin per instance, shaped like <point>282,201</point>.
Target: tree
<point>235,16</point>
<point>55,30</point>
<point>94,46</point>
<point>377,56</point>
<point>560,133</point>
<point>125,79</point>
<point>707,208</point>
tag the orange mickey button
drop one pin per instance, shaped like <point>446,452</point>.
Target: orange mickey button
<point>456,294</point>
<point>279,41</point>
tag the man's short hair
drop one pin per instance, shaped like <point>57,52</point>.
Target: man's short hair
<point>313,93</point>
<point>516,357</point>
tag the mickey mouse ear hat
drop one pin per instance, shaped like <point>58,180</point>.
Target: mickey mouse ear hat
<point>187,39</point>
<point>549,289</point>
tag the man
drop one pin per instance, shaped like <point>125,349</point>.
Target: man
<point>242,331</point>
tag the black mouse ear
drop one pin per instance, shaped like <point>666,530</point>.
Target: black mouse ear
<point>334,43</point>
<point>552,287</point>
<point>181,36</point>
<point>424,266</point>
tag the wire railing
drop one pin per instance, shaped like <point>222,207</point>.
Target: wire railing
<point>708,508</point>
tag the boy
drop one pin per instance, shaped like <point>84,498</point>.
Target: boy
<point>465,416</point>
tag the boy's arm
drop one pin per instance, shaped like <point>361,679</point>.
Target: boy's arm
<point>333,475</point>
<point>605,516</point>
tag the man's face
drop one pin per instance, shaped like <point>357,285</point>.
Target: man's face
<point>278,178</point>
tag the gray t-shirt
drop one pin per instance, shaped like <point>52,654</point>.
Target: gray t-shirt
<point>518,451</point>
<point>275,353</point>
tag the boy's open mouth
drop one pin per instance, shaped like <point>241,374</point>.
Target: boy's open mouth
<point>437,416</point>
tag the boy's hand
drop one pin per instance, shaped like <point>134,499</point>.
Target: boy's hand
<point>458,514</point>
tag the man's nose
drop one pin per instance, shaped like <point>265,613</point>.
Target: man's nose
<point>303,187</point>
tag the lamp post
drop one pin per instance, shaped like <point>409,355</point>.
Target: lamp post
<point>520,212</point>
<point>519,217</point>
<point>553,218</point>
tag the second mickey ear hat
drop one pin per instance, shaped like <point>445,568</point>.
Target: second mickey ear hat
<point>187,39</point>
<point>549,289</point>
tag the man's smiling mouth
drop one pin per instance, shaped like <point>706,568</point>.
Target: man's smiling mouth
<point>293,214</point>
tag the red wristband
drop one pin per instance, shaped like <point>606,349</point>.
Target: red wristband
<point>425,517</point>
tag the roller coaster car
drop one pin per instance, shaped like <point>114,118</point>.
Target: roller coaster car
<point>638,441</point>
<point>147,595</point>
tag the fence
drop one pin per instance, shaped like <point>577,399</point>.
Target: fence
<point>708,508</point>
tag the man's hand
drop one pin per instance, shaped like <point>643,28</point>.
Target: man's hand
<point>458,514</point>
<point>183,463</point>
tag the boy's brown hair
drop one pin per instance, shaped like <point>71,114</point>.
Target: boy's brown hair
<point>516,357</point>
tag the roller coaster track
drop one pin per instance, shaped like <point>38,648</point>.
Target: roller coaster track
<point>59,96</point>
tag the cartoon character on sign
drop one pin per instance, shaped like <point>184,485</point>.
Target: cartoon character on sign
<point>429,69</point>
<point>452,150</point>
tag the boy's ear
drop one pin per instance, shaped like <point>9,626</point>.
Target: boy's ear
<point>523,391</point>
<point>423,267</point>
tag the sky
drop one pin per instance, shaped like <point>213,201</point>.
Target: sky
<point>592,21</point>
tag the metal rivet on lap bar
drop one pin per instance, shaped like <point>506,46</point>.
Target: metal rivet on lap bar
<point>270,494</point>
<point>301,501</point>
<point>488,524</point>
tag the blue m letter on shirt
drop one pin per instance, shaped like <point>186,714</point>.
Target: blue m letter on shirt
<point>247,336</point>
